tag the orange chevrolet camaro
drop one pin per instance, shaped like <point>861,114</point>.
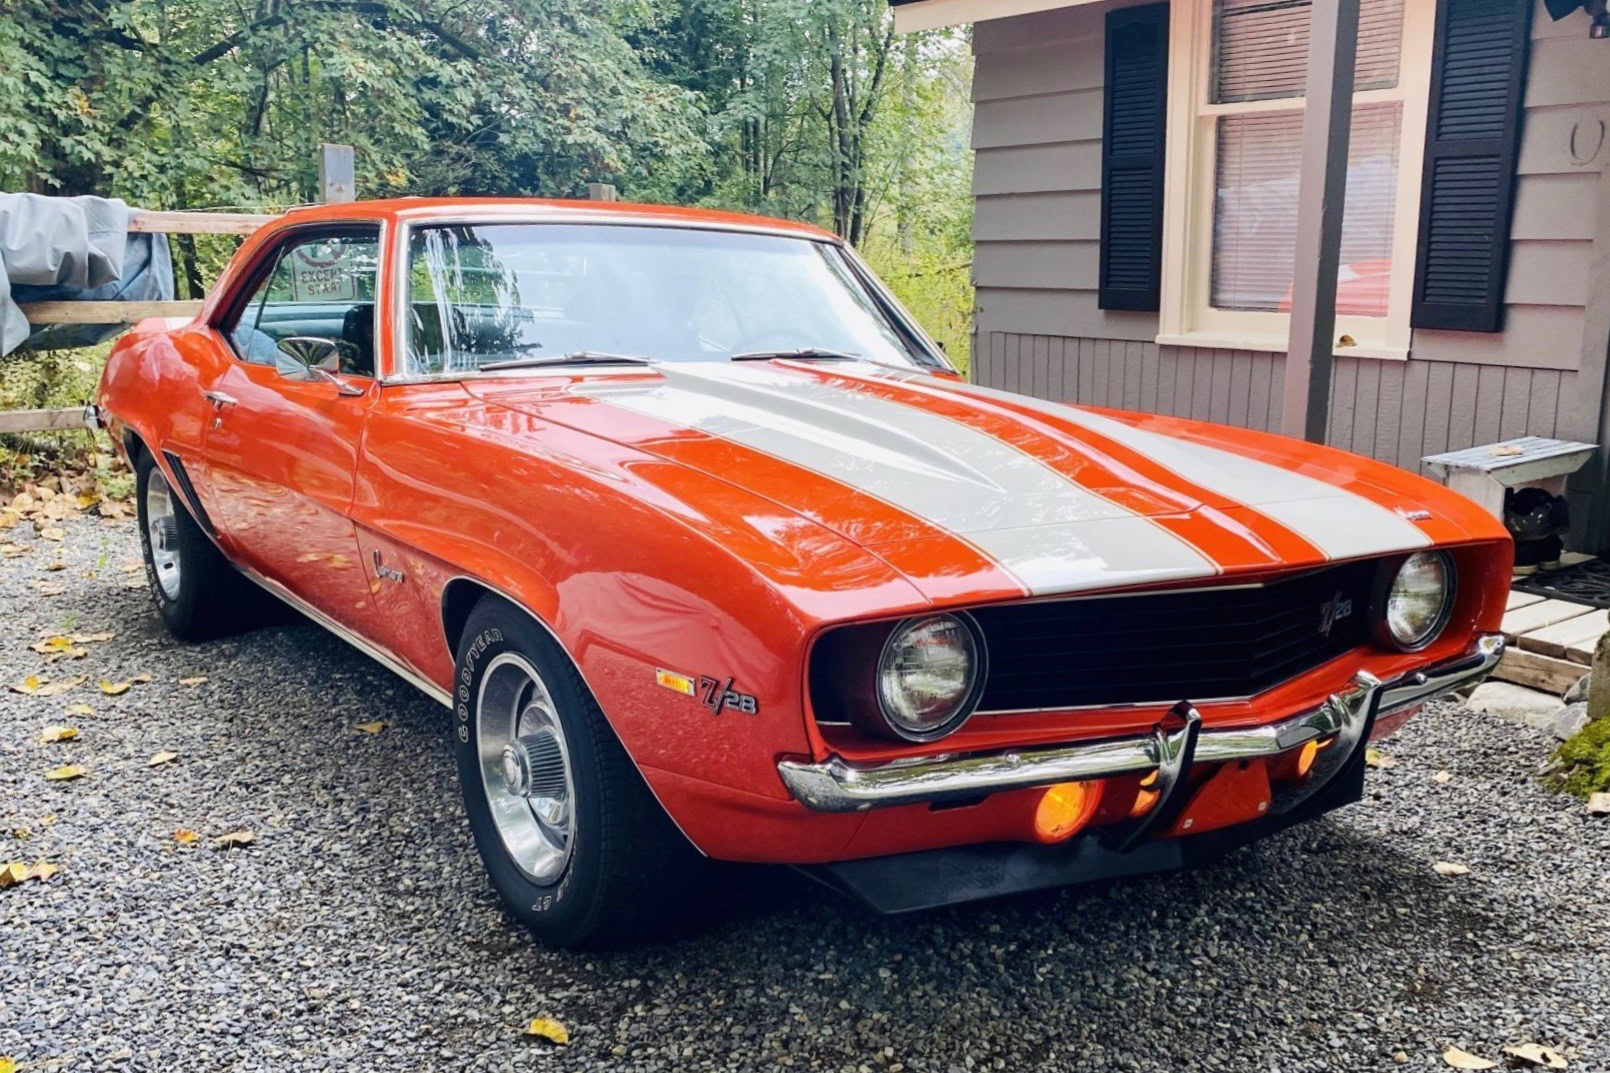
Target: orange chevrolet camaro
<point>709,551</point>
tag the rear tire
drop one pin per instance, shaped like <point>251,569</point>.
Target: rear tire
<point>197,593</point>
<point>573,840</point>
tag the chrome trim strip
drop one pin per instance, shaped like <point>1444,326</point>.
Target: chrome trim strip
<point>380,655</point>
<point>836,785</point>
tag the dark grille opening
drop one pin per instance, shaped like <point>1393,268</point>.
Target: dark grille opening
<point>1217,642</point>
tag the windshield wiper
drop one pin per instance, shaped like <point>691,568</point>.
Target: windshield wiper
<point>804,353</point>
<point>575,357</point>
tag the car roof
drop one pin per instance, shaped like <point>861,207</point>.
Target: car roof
<point>424,209</point>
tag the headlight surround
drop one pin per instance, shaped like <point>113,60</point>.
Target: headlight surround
<point>1418,600</point>
<point>929,676</point>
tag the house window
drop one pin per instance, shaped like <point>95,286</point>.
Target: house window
<point>1236,105</point>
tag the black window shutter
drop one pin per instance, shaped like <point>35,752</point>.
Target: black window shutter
<point>1478,76</point>
<point>1134,126</point>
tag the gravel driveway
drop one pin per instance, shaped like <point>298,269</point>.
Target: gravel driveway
<point>357,932</point>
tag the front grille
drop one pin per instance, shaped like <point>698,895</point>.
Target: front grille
<point>1228,641</point>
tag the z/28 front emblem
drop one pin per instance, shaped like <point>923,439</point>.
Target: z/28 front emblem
<point>713,693</point>
<point>1333,611</point>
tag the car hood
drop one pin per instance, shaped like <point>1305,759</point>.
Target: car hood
<point>944,479</point>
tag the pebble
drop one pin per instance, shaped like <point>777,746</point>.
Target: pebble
<point>358,932</point>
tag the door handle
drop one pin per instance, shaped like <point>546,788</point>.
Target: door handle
<point>219,399</point>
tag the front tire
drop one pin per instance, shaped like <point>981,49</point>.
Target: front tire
<point>197,593</point>
<point>573,840</point>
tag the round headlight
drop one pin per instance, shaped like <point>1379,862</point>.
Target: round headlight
<point>929,677</point>
<point>1419,600</point>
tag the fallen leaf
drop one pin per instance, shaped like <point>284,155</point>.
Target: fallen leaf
<point>140,679</point>
<point>65,772</point>
<point>371,728</point>
<point>57,565</point>
<point>1465,1060</point>
<point>193,680</point>
<point>45,588</point>
<point>161,758</point>
<point>56,689</point>
<point>1599,804</point>
<point>114,689</point>
<point>184,835</point>
<point>1503,450</point>
<point>90,638</point>
<point>53,533</point>
<point>236,838</point>
<point>1442,776</point>
<point>1448,868</point>
<point>84,502</point>
<point>1376,758</point>
<point>29,685</point>
<point>20,833</point>
<point>57,643</point>
<point>7,1066</point>
<point>1537,1055</point>
<point>80,709</point>
<point>11,551</point>
<point>17,872</point>
<point>549,1029</point>
<point>52,734</point>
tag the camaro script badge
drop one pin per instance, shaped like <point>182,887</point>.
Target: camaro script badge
<point>1333,611</point>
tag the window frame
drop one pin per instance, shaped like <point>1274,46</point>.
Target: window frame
<point>1185,316</point>
<point>266,261</point>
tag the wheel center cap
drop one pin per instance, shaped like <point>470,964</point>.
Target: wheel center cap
<point>534,766</point>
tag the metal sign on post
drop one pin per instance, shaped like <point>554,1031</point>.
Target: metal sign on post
<point>337,173</point>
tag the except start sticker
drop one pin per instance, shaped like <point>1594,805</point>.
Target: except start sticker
<point>323,272</point>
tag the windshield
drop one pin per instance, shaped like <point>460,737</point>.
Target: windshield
<point>485,293</point>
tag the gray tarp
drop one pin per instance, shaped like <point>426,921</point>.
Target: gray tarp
<point>66,248</point>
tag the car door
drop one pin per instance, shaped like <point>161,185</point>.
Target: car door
<point>281,446</point>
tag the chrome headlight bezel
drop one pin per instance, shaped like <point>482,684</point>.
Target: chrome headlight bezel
<point>891,723</point>
<point>1386,635</point>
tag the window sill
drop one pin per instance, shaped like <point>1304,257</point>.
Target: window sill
<point>1274,344</point>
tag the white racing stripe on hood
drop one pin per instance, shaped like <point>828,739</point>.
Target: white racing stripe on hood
<point>1048,532</point>
<point>1339,523</point>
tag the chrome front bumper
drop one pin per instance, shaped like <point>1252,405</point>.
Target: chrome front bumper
<point>838,786</point>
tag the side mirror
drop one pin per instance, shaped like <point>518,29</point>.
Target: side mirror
<point>312,357</point>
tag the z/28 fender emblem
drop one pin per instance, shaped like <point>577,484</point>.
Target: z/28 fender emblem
<point>713,693</point>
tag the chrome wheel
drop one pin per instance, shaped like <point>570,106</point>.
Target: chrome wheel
<point>525,767</point>
<point>162,528</point>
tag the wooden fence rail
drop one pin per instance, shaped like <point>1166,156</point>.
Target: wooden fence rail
<point>177,223</point>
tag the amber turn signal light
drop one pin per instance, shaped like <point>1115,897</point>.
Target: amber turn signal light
<point>1305,758</point>
<point>1146,797</point>
<point>1063,809</point>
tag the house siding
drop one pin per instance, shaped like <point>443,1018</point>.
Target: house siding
<point>1037,181</point>
<point>1394,411</point>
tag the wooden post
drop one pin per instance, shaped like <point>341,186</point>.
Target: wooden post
<point>1322,192</point>
<point>601,192</point>
<point>337,173</point>
<point>1587,416</point>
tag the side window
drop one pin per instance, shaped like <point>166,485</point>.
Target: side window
<point>321,286</point>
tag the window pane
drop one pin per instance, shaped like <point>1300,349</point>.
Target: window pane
<point>1255,211</point>
<point>323,287</point>
<point>1260,47</point>
<point>495,292</point>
